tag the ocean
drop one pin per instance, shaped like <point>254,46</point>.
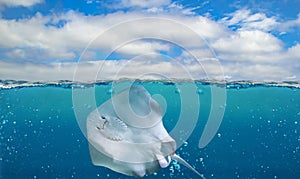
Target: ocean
<point>259,134</point>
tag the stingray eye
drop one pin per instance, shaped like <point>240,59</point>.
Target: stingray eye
<point>101,127</point>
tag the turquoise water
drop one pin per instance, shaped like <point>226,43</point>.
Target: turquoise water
<point>259,136</point>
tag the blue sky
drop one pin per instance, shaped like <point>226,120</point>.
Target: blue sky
<point>252,40</point>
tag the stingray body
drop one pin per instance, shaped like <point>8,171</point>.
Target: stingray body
<point>126,134</point>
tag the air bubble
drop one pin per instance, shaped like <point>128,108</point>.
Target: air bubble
<point>176,166</point>
<point>200,91</point>
<point>110,91</point>
<point>185,144</point>
<point>177,91</point>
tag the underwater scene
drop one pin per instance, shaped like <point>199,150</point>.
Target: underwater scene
<point>258,137</point>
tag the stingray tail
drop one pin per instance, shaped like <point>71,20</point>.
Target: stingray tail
<point>183,162</point>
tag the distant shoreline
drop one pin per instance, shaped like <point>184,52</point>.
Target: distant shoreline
<point>8,84</point>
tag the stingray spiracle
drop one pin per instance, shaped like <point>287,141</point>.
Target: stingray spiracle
<point>112,128</point>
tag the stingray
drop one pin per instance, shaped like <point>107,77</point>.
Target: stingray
<point>126,135</point>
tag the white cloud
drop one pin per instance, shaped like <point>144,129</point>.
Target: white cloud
<point>180,8</point>
<point>33,35</point>
<point>200,54</point>
<point>16,54</point>
<point>249,46</point>
<point>155,10</point>
<point>144,3</point>
<point>294,51</point>
<point>42,54</point>
<point>246,20</point>
<point>251,52</point>
<point>259,72</point>
<point>87,71</point>
<point>41,33</point>
<point>143,67</point>
<point>140,48</point>
<point>25,3</point>
<point>157,6</point>
<point>290,24</point>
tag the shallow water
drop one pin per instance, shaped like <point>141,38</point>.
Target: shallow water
<point>259,136</point>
